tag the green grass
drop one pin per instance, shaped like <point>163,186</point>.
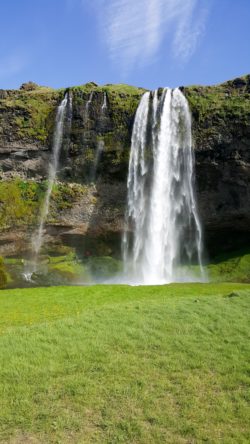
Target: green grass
<point>118,364</point>
<point>234,269</point>
<point>223,101</point>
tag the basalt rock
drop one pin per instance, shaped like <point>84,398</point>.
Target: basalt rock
<point>88,201</point>
<point>221,133</point>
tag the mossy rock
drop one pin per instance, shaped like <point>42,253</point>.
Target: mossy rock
<point>58,251</point>
<point>28,114</point>
<point>103,267</point>
<point>20,202</point>
<point>69,272</point>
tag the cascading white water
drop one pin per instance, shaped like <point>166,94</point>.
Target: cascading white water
<point>98,154</point>
<point>104,105</point>
<point>161,208</point>
<point>70,108</point>
<point>57,143</point>
<point>100,143</point>
<point>89,103</point>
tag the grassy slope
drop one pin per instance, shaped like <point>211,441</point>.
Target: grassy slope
<point>32,112</point>
<point>222,101</point>
<point>234,267</point>
<point>124,365</point>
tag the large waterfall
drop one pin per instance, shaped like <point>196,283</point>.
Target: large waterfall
<point>57,143</point>
<point>161,210</point>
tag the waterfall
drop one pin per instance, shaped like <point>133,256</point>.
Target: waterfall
<point>98,153</point>
<point>100,143</point>
<point>89,103</point>
<point>70,109</point>
<point>104,105</point>
<point>161,207</point>
<point>57,144</point>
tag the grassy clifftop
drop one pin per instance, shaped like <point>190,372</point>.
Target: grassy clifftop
<point>233,94</point>
<point>220,112</point>
<point>28,114</point>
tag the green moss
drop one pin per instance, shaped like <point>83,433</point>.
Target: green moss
<point>32,112</point>
<point>70,271</point>
<point>19,202</point>
<point>89,155</point>
<point>64,195</point>
<point>220,101</point>
<point>118,88</point>
<point>122,99</point>
<point>59,259</point>
<point>56,252</point>
<point>104,266</point>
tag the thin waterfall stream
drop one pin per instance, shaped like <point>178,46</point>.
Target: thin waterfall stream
<point>100,144</point>
<point>89,103</point>
<point>166,238</point>
<point>37,240</point>
<point>104,104</point>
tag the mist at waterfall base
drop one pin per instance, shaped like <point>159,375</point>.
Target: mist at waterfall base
<point>162,241</point>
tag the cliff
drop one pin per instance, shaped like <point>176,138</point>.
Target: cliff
<point>88,200</point>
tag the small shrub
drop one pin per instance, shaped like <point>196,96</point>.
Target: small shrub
<point>29,86</point>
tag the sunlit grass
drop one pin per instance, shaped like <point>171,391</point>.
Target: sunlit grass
<point>118,364</point>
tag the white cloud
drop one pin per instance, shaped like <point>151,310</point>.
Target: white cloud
<point>134,29</point>
<point>188,33</point>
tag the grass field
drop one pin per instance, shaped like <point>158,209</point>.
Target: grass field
<point>118,364</point>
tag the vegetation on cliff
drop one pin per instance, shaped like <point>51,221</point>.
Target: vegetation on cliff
<point>28,114</point>
<point>220,112</point>
<point>21,200</point>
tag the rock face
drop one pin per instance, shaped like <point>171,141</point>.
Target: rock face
<point>221,132</point>
<point>88,202</point>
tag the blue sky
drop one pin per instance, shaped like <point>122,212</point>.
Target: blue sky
<point>146,43</point>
